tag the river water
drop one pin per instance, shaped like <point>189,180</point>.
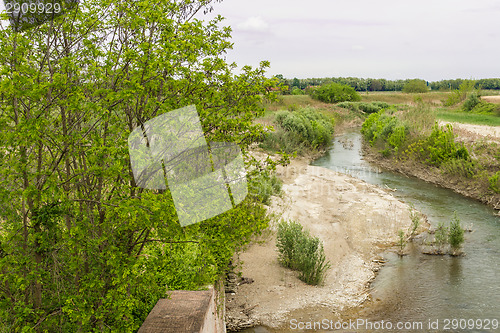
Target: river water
<point>436,292</point>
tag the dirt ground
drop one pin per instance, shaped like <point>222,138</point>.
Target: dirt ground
<point>491,133</point>
<point>355,221</point>
<point>491,99</point>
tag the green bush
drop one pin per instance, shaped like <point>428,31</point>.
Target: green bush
<point>349,105</point>
<point>369,108</point>
<point>387,128</point>
<point>466,87</point>
<point>471,102</point>
<point>289,233</point>
<point>455,233</point>
<point>440,147</point>
<point>495,182</point>
<point>300,131</point>
<point>365,107</point>
<point>285,141</point>
<point>485,108</point>
<point>264,185</point>
<point>297,91</point>
<point>416,86</point>
<point>453,99</point>
<point>300,251</point>
<point>335,93</point>
<point>441,234</point>
<point>460,167</point>
<point>381,105</point>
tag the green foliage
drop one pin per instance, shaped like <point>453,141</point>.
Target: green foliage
<point>300,251</point>
<point>263,185</point>
<point>401,240</point>
<point>297,91</point>
<point>441,234</point>
<point>465,88</point>
<point>463,168</point>
<point>300,131</point>
<point>387,128</point>
<point>82,247</point>
<point>335,93</point>
<point>471,102</point>
<point>439,147</point>
<point>415,219</point>
<point>456,233</point>
<point>494,181</point>
<point>416,86</point>
<point>289,233</point>
<point>365,107</point>
<point>486,108</point>
<point>453,99</point>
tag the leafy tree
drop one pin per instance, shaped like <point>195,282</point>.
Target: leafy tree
<point>376,85</point>
<point>335,93</point>
<point>415,86</point>
<point>82,248</point>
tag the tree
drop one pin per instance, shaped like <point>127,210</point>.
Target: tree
<point>376,85</point>
<point>415,86</point>
<point>456,233</point>
<point>335,93</point>
<point>82,248</point>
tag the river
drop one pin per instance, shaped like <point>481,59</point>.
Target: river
<point>420,288</point>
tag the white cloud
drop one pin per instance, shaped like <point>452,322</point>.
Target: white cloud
<point>255,23</point>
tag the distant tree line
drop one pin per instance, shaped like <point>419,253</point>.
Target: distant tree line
<point>296,85</point>
<point>491,84</point>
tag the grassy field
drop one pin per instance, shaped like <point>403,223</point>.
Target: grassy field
<point>432,100</point>
<point>467,118</point>
<point>396,97</point>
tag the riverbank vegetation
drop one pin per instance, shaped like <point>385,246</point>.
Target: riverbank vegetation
<point>302,131</point>
<point>300,251</point>
<point>412,139</point>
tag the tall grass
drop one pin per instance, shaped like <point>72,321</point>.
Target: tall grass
<point>392,97</point>
<point>421,118</point>
<point>298,250</point>
<point>301,131</point>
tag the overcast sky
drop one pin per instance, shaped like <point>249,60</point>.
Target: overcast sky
<point>393,39</point>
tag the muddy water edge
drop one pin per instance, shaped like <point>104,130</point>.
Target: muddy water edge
<point>419,289</point>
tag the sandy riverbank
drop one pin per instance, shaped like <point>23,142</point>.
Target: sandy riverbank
<point>355,221</point>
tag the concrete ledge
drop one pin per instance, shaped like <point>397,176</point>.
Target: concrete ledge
<point>187,311</point>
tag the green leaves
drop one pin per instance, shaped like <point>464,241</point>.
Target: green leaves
<point>335,93</point>
<point>84,248</point>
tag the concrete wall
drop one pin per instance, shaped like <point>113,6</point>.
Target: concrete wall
<point>188,312</point>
